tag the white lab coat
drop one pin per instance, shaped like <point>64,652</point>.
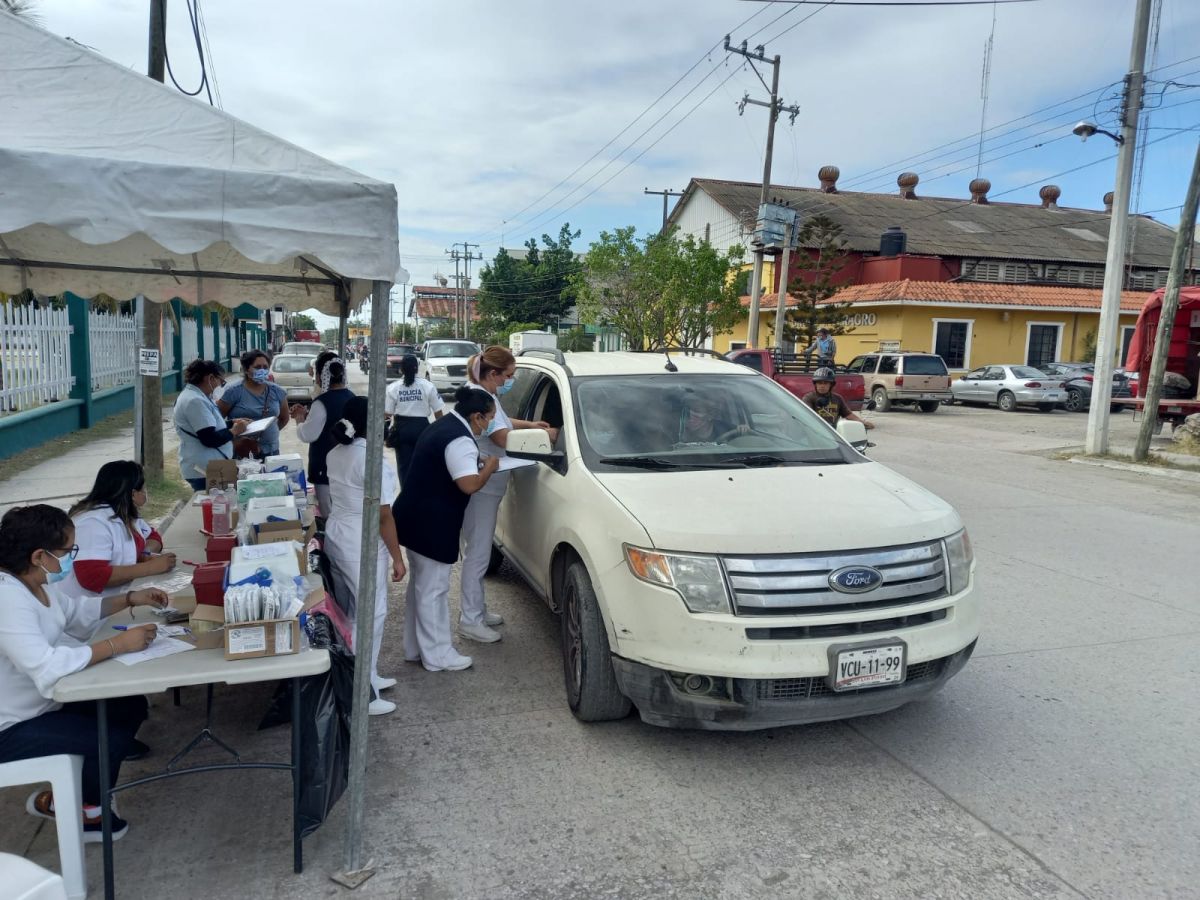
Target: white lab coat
<point>100,535</point>
<point>347,465</point>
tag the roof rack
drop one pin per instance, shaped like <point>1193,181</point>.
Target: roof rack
<point>551,353</point>
<point>686,351</point>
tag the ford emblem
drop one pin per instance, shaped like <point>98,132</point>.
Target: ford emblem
<point>855,579</point>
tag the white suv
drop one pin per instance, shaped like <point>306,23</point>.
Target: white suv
<point>445,363</point>
<point>720,557</point>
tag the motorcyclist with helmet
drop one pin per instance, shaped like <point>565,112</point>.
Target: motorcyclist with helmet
<point>828,404</point>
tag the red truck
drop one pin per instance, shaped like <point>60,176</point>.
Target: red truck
<point>794,372</point>
<point>306,334</point>
<point>1183,356</point>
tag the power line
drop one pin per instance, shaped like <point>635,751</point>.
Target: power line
<point>212,66</point>
<point>204,85</point>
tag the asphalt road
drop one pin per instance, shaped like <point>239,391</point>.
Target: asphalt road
<point>1059,763</point>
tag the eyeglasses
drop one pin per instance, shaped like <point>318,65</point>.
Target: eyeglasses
<point>72,553</point>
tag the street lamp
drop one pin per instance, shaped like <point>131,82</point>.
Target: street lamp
<point>1086,129</point>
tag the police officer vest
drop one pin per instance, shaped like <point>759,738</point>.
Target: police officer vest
<point>430,509</point>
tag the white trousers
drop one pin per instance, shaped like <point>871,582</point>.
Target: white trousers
<point>342,546</point>
<point>479,526</point>
<point>324,505</point>
<point>427,613</point>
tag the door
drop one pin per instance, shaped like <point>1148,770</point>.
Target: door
<point>968,387</point>
<point>1042,345</point>
<point>990,384</point>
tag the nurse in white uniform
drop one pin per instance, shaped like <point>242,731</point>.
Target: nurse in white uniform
<point>347,467</point>
<point>446,472</point>
<point>491,371</point>
<point>116,545</point>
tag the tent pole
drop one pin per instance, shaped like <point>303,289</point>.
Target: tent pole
<point>355,869</point>
<point>343,314</point>
<point>139,381</point>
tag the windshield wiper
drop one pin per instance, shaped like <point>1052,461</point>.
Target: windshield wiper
<point>641,462</point>
<point>754,460</point>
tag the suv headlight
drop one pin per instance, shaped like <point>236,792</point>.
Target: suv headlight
<point>959,557</point>
<point>439,370</point>
<point>697,579</point>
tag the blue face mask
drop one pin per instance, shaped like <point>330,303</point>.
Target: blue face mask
<point>506,387</point>
<point>260,376</point>
<point>65,565</point>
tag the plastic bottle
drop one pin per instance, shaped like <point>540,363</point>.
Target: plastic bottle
<point>221,523</point>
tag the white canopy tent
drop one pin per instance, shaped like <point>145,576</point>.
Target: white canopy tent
<point>111,182</point>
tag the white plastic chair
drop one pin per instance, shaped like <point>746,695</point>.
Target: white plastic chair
<point>64,774</point>
<point>24,880</point>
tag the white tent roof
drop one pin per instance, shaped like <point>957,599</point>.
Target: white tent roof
<point>111,182</point>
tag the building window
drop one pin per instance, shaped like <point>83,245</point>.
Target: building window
<point>952,341</point>
<point>1042,343</point>
<point>1126,337</point>
<point>737,345</point>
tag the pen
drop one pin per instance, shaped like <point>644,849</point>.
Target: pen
<point>121,627</point>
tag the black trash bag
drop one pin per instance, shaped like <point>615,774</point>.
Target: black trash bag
<point>325,705</point>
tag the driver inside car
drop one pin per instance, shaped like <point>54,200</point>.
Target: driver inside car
<point>702,423</point>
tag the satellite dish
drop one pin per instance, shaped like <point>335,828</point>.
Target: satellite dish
<point>441,279</point>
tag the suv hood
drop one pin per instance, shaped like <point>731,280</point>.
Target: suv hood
<point>794,509</point>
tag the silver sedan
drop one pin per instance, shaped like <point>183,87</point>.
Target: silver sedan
<point>1009,387</point>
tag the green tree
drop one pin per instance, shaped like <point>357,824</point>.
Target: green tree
<point>404,333</point>
<point>576,340</point>
<point>1087,347</point>
<point>534,289</point>
<point>659,291</point>
<point>329,337</point>
<point>822,256</point>
<point>303,321</point>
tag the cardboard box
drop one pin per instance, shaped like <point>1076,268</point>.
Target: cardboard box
<point>221,472</point>
<point>271,484</point>
<point>290,462</point>
<point>261,510</point>
<point>248,640</point>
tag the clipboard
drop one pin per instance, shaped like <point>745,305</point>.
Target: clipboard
<point>257,426</point>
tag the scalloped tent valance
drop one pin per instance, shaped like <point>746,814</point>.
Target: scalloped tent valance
<point>111,182</point>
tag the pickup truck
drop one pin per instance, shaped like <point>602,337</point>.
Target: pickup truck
<point>794,372</point>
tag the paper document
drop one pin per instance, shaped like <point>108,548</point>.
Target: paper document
<point>509,462</point>
<point>160,646</point>
<point>257,426</point>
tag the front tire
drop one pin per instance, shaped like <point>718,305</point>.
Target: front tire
<point>880,396</point>
<point>929,406</point>
<point>1007,402</point>
<point>592,691</point>
<point>1074,401</point>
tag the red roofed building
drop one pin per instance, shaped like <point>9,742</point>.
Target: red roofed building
<point>433,305</point>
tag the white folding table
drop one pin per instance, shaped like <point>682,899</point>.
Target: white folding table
<point>111,679</point>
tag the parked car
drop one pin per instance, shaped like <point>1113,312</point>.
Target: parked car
<point>293,373</point>
<point>686,578</point>
<point>1066,370</point>
<point>307,348</point>
<point>903,379</point>
<point>794,372</point>
<point>1009,387</point>
<point>1079,391</point>
<point>395,353</point>
<point>445,363</point>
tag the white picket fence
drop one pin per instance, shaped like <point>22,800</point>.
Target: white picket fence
<point>191,343</point>
<point>35,356</point>
<point>168,341</point>
<point>222,342</point>
<point>114,342</point>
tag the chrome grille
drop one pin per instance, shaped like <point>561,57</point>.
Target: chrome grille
<point>795,584</point>
<point>818,685</point>
<point>456,371</point>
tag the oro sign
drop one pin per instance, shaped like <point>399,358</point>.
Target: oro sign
<point>149,361</point>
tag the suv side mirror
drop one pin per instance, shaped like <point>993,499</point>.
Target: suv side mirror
<point>853,433</point>
<point>534,444</point>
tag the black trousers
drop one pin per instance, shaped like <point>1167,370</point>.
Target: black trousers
<point>406,430</point>
<point>73,729</point>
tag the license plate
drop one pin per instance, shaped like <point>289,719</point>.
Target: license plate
<point>858,666</point>
<point>927,396</point>
<point>1054,395</point>
<point>297,392</point>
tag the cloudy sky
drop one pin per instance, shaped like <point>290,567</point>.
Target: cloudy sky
<point>477,110</point>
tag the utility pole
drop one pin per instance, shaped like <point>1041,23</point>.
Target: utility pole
<point>148,406</point>
<point>1114,264</point>
<point>774,107</point>
<point>457,286</point>
<point>1184,239</point>
<point>467,257</point>
<point>462,282</point>
<point>781,296</point>
<point>666,194</point>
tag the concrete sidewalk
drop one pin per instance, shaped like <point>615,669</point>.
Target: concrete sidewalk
<point>64,479</point>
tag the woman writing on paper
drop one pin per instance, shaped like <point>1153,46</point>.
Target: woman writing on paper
<point>115,543</point>
<point>446,472</point>
<point>491,372</point>
<point>203,433</point>
<point>315,423</point>
<point>344,532</point>
<point>255,397</point>
<point>43,637</point>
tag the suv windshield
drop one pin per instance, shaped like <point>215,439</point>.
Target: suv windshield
<point>444,349</point>
<point>698,421</point>
<point>284,364</point>
<point>924,365</point>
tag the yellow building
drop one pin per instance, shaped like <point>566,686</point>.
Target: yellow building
<point>969,324</point>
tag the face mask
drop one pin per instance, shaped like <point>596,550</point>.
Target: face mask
<point>260,376</point>
<point>65,564</point>
<point>491,427</point>
<point>506,387</point>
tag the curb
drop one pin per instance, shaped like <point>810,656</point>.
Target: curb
<point>1160,471</point>
<point>169,519</point>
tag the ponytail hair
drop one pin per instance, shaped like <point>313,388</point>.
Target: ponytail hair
<point>25,529</point>
<point>493,359</point>
<point>408,368</point>
<point>469,402</point>
<point>353,423</point>
<point>329,369</point>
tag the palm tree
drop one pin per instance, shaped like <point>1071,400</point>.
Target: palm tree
<point>20,8</point>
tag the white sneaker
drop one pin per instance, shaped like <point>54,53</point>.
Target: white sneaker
<point>492,619</point>
<point>479,632</point>
<point>456,664</point>
<point>380,707</point>
<point>383,684</point>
